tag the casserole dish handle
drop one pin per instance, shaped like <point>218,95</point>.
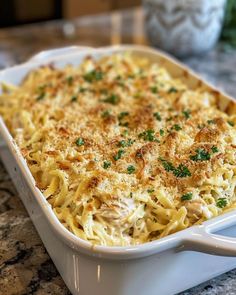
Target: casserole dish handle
<point>203,239</point>
<point>44,55</point>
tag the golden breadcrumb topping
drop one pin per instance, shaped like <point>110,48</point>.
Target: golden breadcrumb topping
<point>123,152</point>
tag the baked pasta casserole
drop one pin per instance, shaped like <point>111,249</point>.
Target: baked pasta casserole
<point>124,153</point>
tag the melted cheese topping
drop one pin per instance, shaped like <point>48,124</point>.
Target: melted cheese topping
<point>124,153</point>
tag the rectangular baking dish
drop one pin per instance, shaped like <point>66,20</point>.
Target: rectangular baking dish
<point>162,267</point>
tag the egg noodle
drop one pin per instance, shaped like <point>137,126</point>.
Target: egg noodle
<point>123,152</point>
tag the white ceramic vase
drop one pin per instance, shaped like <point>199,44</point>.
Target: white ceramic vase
<point>184,27</point>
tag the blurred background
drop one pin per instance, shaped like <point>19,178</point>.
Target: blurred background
<point>16,12</point>
<point>20,12</point>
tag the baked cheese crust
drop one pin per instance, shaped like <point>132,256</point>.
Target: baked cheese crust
<point>123,152</point>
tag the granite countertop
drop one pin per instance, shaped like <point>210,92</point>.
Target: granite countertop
<point>25,267</point>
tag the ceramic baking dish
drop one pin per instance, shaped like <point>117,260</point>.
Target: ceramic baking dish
<point>162,267</point>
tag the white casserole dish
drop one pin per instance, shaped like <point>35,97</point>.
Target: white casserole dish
<point>166,266</point>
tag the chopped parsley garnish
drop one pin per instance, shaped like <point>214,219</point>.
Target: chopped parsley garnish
<point>112,99</point>
<point>180,171</point>
<point>80,141</point>
<point>214,149</point>
<point>176,127</point>
<point>172,90</point>
<point>210,122</point>
<point>199,126</point>
<point>40,96</point>
<point>125,124</point>
<point>106,164</point>
<point>106,114</point>
<point>125,143</point>
<point>169,119</point>
<point>201,155</point>
<point>118,155</point>
<point>187,197</point>
<point>221,202</point>
<point>154,89</point>
<point>94,75</point>
<point>130,169</point>
<point>69,80</point>
<point>73,98</point>
<point>231,123</point>
<point>82,89</point>
<point>150,190</point>
<point>148,135</point>
<point>157,116</point>
<point>122,115</point>
<point>125,133</point>
<point>41,88</point>
<point>162,132</point>
<point>168,166</point>
<point>186,114</point>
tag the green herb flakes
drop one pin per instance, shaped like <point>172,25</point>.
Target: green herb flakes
<point>73,98</point>
<point>180,171</point>
<point>151,190</point>
<point>172,90</point>
<point>201,155</point>
<point>162,132</point>
<point>157,116</point>
<point>82,89</point>
<point>118,155</point>
<point>176,127</point>
<point>186,114</point>
<point>106,114</point>
<point>168,166</point>
<point>94,75</point>
<point>40,96</point>
<point>231,123</point>
<point>125,143</point>
<point>199,126</point>
<point>154,89</point>
<point>169,119</point>
<point>187,197</point>
<point>69,80</point>
<point>210,122</point>
<point>122,115</point>
<point>214,149</point>
<point>112,99</point>
<point>80,141</point>
<point>130,169</point>
<point>125,124</point>
<point>221,203</point>
<point>148,135</point>
<point>106,164</point>
<point>126,132</point>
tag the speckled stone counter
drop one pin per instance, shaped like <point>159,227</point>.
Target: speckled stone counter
<point>25,267</point>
